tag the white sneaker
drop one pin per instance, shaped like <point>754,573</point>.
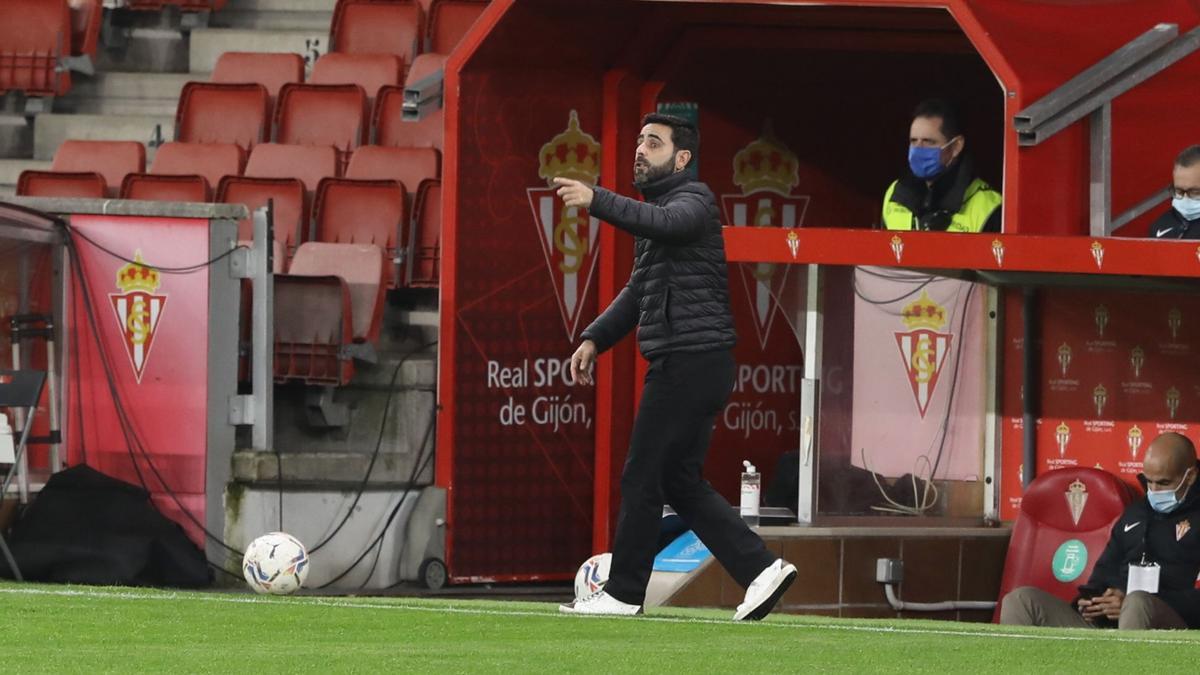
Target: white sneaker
<point>765,591</point>
<point>600,604</point>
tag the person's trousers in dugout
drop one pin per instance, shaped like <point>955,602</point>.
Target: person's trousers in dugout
<point>1029,606</point>
<point>683,394</point>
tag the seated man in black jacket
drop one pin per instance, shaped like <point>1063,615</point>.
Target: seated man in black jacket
<point>1182,220</point>
<point>1158,537</point>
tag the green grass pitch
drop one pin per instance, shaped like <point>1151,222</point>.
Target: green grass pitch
<point>85,629</point>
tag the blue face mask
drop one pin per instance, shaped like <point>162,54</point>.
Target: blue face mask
<point>1187,207</point>
<point>926,162</point>
<point>1166,501</point>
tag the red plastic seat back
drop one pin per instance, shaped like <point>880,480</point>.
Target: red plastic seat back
<point>34,35</point>
<point>323,114</point>
<point>213,161</point>
<point>271,70</point>
<point>112,159</point>
<point>1063,526</point>
<point>86,17</point>
<point>369,71</point>
<point>392,130</point>
<point>361,267</point>
<point>291,218</point>
<point>378,27</point>
<point>89,185</point>
<point>223,113</point>
<point>424,268</point>
<point>410,166</point>
<point>150,187</point>
<point>309,163</point>
<point>449,21</point>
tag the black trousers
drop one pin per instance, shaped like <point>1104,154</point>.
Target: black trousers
<point>684,392</point>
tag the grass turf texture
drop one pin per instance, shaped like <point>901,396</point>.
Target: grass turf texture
<point>86,629</point>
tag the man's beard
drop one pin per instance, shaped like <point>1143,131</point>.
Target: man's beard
<point>646,173</point>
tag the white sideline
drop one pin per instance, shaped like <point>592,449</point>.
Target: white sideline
<point>1111,636</point>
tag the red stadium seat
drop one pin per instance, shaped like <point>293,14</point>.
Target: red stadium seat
<point>89,185</point>
<point>223,113</point>
<point>392,130</point>
<point>378,27</point>
<point>323,114</point>
<point>410,166</point>
<point>364,212</point>
<point>449,21</point>
<point>112,159</point>
<point>291,216</point>
<point>270,70</point>
<point>213,161</point>
<point>369,71</point>
<point>86,17</point>
<point>331,297</point>
<point>309,163</point>
<point>34,36</point>
<point>1047,521</point>
<point>424,265</point>
<point>149,187</point>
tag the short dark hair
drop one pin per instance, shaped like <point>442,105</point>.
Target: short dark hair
<point>684,134</point>
<point>1188,157</point>
<point>952,121</point>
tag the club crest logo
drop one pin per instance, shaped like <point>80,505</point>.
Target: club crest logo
<point>1100,316</point>
<point>1137,359</point>
<point>1173,398</point>
<point>1099,398</point>
<point>897,247</point>
<point>1174,321</point>
<point>1077,496</point>
<point>1134,438</point>
<point>923,349</point>
<point>1062,437</point>
<point>568,234</point>
<point>1064,358</point>
<point>767,172</point>
<point>138,309</point>
<point>1098,254</point>
<point>998,252</point>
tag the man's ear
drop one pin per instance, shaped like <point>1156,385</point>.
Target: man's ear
<point>682,159</point>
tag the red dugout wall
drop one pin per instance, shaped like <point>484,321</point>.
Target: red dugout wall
<point>543,86</point>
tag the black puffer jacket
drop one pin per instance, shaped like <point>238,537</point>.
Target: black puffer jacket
<point>678,294</point>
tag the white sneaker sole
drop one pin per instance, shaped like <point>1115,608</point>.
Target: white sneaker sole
<point>569,608</point>
<point>782,582</point>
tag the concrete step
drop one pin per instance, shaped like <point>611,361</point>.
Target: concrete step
<point>279,6</point>
<point>208,44</point>
<point>126,94</point>
<point>51,129</point>
<point>10,170</point>
<point>272,20</point>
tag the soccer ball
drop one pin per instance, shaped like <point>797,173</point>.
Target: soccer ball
<point>592,575</point>
<point>275,563</point>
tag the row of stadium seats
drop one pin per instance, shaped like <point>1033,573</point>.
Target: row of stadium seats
<point>369,203</point>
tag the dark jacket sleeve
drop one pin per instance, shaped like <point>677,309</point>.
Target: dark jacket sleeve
<point>994,220</point>
<point>1109,570</point>
<point>615,321</point>
<point>678,222</point>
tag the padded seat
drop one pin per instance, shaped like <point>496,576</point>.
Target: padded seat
<point>1049,518</point>
<point>325,115</point>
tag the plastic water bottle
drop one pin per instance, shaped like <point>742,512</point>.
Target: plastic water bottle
<point>751,488</point>
<point>7,452</point>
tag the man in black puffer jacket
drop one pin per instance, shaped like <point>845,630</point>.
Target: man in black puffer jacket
<point>678,298</point>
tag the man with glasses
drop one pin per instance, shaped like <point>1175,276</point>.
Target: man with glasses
<point>1182,220</point>
<point>1146,577</point>
<point>939,191</point>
